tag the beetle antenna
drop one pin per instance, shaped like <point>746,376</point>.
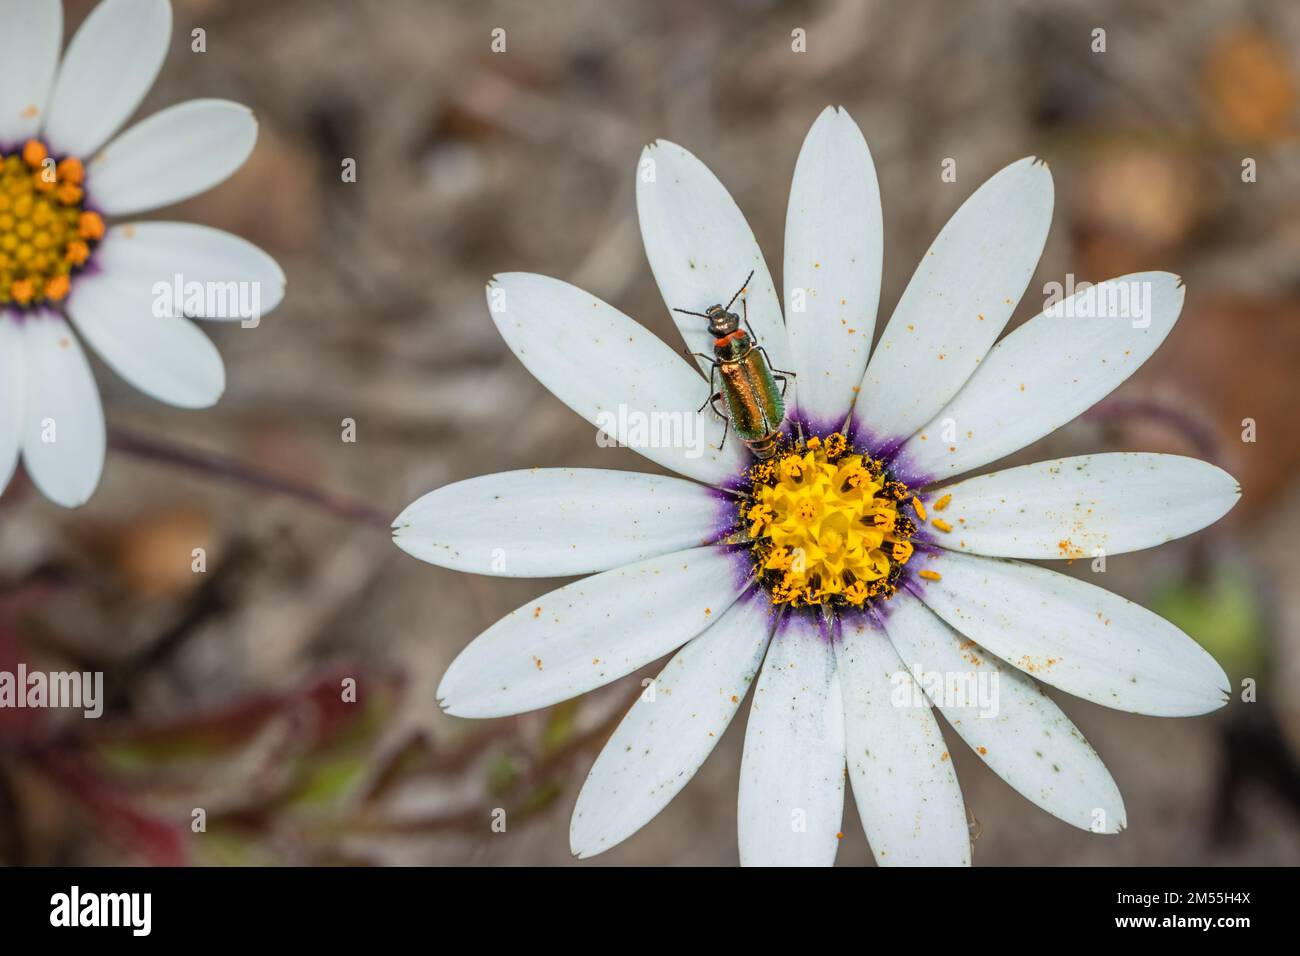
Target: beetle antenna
<point>741,289</point>
<point>689,312</point>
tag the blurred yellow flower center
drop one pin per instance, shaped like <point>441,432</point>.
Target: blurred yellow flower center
<point>45,233</point>
<point>825,527</point>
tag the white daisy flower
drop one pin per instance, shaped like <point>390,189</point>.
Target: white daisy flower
<point>61,259</point>
<point>845,573</point>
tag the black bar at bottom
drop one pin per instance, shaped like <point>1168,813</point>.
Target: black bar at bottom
<point>335,906</point>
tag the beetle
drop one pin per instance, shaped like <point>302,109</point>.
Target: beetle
<point>755,407</point>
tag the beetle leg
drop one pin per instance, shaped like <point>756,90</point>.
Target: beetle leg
<point>744,308</point>
<point>712,400</point>
<point>713,374</point>
<point>784,380</point>
<point>768,359</point>
<point>726,419</point>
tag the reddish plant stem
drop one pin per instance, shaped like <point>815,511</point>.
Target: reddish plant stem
<point>1191,426</point>
<point>219,466</point>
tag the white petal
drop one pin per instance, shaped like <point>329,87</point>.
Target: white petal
<point>109,66</point>
<point>958,301</point>
<point>665,738</point>
<point>245,283</point>
<point>550,522</point>
<point>172,155</point>
<point>701,249</point>
<point>63,439</point>
<point>1075,636</point>
<point>13,383</point>
<point>613,373</point>
<point>166,357</point>
<point>834,237</point>
<point>792,773</point>
<point>1050,370</point>
<point>903,781</point>
<point>1007,720</point>
<point>591,632</point>
<point>1072,507</point>
<point>29,50</point>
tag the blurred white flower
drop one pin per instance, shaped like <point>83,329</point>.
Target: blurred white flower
<point>130,289</point>
<point>842,574</point>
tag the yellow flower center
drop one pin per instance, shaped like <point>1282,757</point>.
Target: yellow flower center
<point>825,526</point>
<point>46,234</point>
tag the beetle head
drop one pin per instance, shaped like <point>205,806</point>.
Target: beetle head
<point>721,322</point>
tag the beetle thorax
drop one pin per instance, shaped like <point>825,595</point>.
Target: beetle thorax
<point>732,347</point>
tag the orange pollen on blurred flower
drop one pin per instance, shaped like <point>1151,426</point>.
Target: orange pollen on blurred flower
<point>90,226</point>
<point>46,234</point>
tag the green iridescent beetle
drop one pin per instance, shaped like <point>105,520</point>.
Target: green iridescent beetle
<point>755,406</point>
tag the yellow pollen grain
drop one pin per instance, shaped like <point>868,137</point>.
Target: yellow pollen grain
<point>930,575</point>
<point>941,524</point>
<point>918,508</point>
<point>942,503</point>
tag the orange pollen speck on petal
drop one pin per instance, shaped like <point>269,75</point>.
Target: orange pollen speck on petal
<point>46,234</point>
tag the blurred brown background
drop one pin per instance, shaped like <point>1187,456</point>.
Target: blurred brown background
<point>223,687</point>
